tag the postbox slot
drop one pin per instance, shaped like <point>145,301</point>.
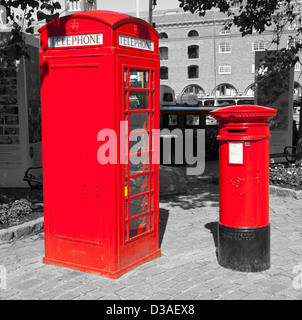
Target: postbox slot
<point>236,130</point>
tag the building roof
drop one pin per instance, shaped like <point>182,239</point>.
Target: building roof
<point>178,15</point>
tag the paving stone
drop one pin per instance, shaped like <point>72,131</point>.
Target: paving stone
<point>188,268</point>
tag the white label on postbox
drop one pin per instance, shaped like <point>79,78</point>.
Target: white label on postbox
<point>76,40</point>
<point>235,152</point>
<point>137,43</point>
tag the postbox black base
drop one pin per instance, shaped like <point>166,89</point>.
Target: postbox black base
<point>243,249</point>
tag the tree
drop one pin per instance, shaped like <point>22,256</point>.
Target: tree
<point>258,16</point>
<point>23,23</point>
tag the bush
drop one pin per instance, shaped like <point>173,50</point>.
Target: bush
<point>14,210</point>
<point>286,175</point>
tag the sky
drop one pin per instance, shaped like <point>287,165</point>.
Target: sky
<point>126,6</point>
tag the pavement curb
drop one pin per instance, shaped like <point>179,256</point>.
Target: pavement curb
<point>22,230</point>
<point>285,192</point>
<point>36,226</point>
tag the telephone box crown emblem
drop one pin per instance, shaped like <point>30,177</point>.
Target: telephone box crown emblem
<point>74,26</point>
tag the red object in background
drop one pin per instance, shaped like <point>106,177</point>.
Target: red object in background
<point>243,230</point>
<point>243,165</point>
<point>99,68</point>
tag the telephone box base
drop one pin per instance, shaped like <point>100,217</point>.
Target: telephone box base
<point>244,249</point>
<point>112,275</point>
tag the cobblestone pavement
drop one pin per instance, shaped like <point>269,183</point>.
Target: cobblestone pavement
<point>187,269</point>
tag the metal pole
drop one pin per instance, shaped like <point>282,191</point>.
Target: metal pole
<point>150,11</point>
<point>215,67</point>
<point>137,8</point>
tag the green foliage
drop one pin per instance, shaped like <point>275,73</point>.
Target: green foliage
<point>15,210</point>
<point>258,16</point>
<point>21,23</point>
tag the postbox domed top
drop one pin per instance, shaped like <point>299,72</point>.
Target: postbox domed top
<point>244,111</point>
<point>110,18</point>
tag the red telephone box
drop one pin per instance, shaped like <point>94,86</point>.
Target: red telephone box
<point>99,82</point>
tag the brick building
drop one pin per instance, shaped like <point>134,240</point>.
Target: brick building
<point>199,55</point>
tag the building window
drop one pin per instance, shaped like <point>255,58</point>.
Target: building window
<point>253,67</point>
<point>193,33</point>
<point>292,42</point>
<point>236,3</point>
<point>194,89</point>
<point>250,90</point>
<point>259,45</point>
<point>163,52</point>
<point>164,73</point>
<point>225,31</point>
<point>225,69</point>
<point>298,66</point>
<point>163,35</point>
<point>225,47</point>
<point>193,52</point>
<point>296,24</point>
<point>193,72</point>
<point>74,5</point>
<point>224,89</point>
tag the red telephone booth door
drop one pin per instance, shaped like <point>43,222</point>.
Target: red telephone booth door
<point>140,111</point>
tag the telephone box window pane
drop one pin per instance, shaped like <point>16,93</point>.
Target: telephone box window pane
<point>126,227</point>
<point>138,100</point>
<point>192,119</point>
<point>138,226</point>
<point>126,204</point>
<point>138,164</point>
<point>139,78</point>
<point>152,80</point>
<point>125,189</point>
<point>138,205</point>
<point>151,221</point>
<point>138,143</point>
<point>152,202</point>
<point>125,100</point>
<point>138,185</point>
<point>125,78</point>
<point>138,121</point>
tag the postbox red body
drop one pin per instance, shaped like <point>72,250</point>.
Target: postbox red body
<point>243,229</point>
<point>99,95</point>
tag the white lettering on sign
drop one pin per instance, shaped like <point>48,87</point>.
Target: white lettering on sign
<point>75,40</point>
<point>137,43</point>
<point>236,153</point>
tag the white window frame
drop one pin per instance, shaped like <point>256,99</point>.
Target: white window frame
<point>224,69</point>
<point>292,42</point>
<point>253,67</point>
<point>225,31</point>
<point>74,2</point>
<point>297,66</point>
<point>259,45</point>
<point>225,47</point>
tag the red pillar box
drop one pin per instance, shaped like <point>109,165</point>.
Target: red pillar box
<point>244,229</point>
<point>99,83</point>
